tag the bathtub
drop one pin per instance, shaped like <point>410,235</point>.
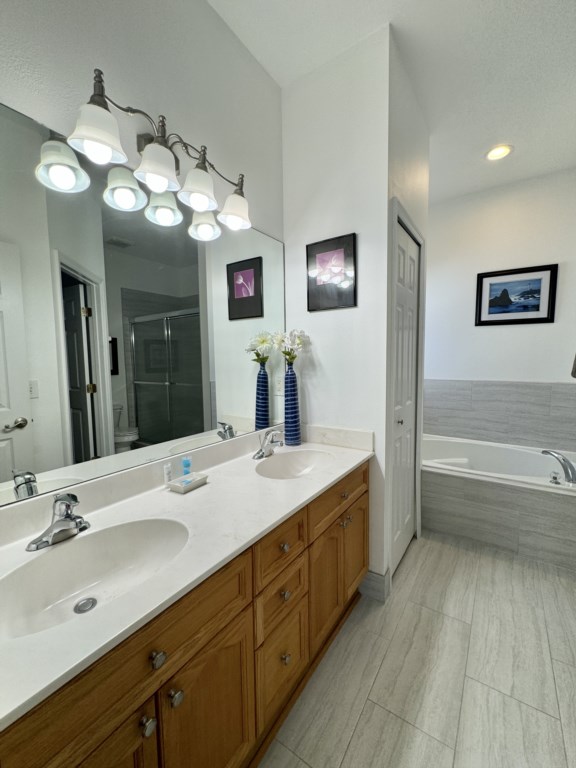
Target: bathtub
<point>499,495</point>
<point>505,463</point>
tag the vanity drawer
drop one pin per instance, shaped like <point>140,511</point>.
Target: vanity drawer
<point>99,699</point>
<point>280,547</point>
<point>326,508</point>
<point>280,663</point>
<point>279,597</point>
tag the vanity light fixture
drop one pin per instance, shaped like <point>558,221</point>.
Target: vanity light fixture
<point>123,192</point>
<point>97,136</point>
<point>499,152</point>
<point>163,210</point>
<point>157,168</point>
<point>198,189</point>
<point>204,226</point>
<point>235,212</point>
<point>59,168</point>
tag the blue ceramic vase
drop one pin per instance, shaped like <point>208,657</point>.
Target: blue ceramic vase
<point>291,408</point>
<point>262,403</point>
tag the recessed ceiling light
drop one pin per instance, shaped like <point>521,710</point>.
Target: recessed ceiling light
<point>500,151</point>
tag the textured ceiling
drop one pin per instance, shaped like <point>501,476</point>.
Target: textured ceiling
<point>485,72</point>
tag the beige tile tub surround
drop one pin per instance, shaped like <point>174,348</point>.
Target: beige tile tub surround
<point>520,413</point>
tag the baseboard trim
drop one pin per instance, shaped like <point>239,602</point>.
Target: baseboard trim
<point>376,585</point>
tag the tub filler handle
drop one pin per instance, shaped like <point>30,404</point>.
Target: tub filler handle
<point>565,463</point>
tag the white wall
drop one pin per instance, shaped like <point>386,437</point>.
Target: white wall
<point>520,225</point>
<point>27,227</point>
<point>408,148</point>
<point>335,130</point>
<point>173,58</point>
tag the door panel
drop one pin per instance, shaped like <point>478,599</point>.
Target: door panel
<point>16,450</point>
<point>214,725</point>
<point>78,373</point>
<point>406,280</point>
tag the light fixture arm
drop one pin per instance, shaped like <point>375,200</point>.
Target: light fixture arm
<point>203,162</point>
<point>100,99</point>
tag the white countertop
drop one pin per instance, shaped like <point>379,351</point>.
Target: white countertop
<point>224,517</point>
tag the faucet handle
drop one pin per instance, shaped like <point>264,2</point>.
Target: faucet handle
<point>64,504</point>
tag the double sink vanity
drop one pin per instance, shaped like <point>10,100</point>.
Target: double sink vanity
<point>177,630</point>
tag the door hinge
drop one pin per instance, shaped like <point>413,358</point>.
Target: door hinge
<point>91,389</point>
<point>86,311</point>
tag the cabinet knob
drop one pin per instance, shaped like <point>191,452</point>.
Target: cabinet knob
<point>148,726</point>
<point>344,494</point>
<point>158,658</point>
<point>285,594</point>
<point>349,518</point>
<point>286,658</point>
<point>343,523</point>
<point>285,547</point>
<point>176,698</point>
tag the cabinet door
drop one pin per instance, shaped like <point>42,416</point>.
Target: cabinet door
<point>355,546</point>
<point>207,709</point>
<point>326,588</point>
<point>133,745</point>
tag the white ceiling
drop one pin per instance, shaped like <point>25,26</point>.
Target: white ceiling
<point>485,72</point>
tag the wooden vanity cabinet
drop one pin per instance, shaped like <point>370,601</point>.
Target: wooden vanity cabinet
<point>203,685</point>
<point>206,710</point>
<point>133,745</point>
<point>339,552</point>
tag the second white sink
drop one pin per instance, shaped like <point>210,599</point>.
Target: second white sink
<point>293,464</point>
<point>99,565</point>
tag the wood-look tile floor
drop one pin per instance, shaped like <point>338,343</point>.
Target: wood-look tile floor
<point>470,663</point>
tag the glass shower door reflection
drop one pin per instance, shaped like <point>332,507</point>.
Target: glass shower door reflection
<point>151,380</point>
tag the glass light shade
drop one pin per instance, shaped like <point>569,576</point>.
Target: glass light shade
<point>60,170</point>
<point>123,192</point>
<point>198,191</point>
<point>204,227</point>
<point>162,210</point>
<point>235,213</point>
<point>96,136</point>
<point>157,169</point>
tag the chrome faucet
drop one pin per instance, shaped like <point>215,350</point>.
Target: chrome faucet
<point>565,463</point>
<point>226,432</point>
<point>65,523</point>
<point>271,438</point>
<point>24,483</point>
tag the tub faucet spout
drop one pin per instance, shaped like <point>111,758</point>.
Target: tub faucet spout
<point>565,463</point>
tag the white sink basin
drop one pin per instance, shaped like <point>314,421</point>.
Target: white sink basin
<point>292,464</point>
<point>100,564</point>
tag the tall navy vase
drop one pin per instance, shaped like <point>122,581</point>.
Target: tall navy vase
<point>291,408</point>
<point>262,407</point>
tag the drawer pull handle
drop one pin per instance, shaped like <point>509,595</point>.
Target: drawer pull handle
<point>349,518</point>
<point>176,698</point>
<point>343,523</point>
<point>285,594</point>
<point>344,494</point>
<point>285,547</point>
<point>158,659</point>
<point>286,658</point>
<point>148,726</point>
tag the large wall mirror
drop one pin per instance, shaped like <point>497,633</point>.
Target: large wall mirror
<point>115,341</point>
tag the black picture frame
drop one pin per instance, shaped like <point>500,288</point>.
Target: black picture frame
<point>517,296</point>
<point>245,293</point>
<point>332,273</point>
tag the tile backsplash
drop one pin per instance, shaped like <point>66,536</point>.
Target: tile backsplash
<point>541,415</point>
